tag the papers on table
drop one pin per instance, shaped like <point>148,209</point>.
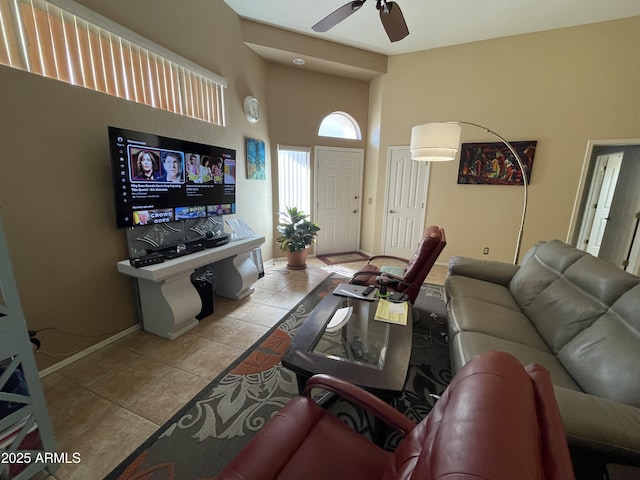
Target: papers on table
<point>392,312</point>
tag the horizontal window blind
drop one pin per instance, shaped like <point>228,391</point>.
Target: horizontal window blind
<point>42,38</point>
<point>294,178</point>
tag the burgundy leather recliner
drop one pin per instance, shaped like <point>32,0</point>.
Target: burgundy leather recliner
<point>416,268</point>
<point>496,420</point>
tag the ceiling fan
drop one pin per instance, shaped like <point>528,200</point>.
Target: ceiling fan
<point>390,16</point>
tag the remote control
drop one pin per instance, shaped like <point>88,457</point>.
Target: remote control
<point>368,290</point>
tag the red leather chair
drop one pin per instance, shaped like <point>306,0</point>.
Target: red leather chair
<point>416,268</point>
<point>496,420</point>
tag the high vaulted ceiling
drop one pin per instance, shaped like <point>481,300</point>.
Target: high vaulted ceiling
<point>434,23</point>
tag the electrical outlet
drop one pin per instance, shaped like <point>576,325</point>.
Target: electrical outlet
<point>486,250</point>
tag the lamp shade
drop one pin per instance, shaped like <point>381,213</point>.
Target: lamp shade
<point>435,142</point>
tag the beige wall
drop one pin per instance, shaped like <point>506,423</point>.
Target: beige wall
<point>560,88</point>
<point>298,101</point>
<point>373,197</point>
<point>56,200</point>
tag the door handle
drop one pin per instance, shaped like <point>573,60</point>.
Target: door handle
<point>392,211</point>
<point>355,211</point>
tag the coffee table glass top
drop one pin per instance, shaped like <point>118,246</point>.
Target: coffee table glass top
<point>353,336</point>
<point>382,371</point>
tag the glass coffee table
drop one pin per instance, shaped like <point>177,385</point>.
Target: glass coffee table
<point>341,338</point>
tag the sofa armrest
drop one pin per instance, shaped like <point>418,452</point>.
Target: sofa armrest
<point>488,270</point>
<point>362,398</point>
<point>600,425</point>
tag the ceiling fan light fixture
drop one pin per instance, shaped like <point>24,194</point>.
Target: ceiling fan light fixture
<point>390,15</point>
<point>383,6</point>
<point>357,4</point>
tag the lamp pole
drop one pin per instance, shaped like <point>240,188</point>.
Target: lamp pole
<point>434,142</point>
<point>525,181</point>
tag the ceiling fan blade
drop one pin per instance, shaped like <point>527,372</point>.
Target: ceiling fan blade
<point>393,21</point>
<point>337,16</point>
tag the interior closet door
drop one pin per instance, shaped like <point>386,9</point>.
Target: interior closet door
<point>405,202</point>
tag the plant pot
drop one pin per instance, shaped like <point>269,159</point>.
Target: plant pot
<point>297,260</point>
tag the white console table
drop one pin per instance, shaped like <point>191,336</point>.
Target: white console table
<point>169,301</point>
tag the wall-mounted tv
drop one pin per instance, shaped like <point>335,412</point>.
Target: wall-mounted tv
<point>158,179</point>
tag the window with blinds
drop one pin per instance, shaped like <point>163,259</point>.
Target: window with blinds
<point>42,38</point>
<point>294,178</point>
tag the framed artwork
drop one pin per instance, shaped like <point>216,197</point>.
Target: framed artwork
<point>255,160</point>
<point>494,164</point>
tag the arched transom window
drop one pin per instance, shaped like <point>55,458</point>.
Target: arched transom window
<point>340,125</point>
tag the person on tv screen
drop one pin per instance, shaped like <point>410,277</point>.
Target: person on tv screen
<point>218,173</point>
<point>205,170</point>
<point>140,217</point>
<point>172,167</point>
<point>193,169</point>
<point>146,167</point>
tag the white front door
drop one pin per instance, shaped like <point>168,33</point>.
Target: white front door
<point>338,192</point>
<point>405,201</point>
<point>612,164</point>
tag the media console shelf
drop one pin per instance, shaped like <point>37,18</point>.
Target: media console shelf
<point>168,300</point>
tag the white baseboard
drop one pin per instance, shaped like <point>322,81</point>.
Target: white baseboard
<point>93,348</point>
<point>272,263</point>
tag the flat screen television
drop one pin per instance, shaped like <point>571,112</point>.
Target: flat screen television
<point>159,179</point>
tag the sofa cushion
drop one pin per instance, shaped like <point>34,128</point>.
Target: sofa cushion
<point>475,315</point>
<point>564,290</point>
<point>458,286</point>
<point>467,345</point>
<point>541,269</point>
<point>604,358</point>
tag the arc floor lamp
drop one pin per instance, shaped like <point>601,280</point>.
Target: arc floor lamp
<point>433,142</point>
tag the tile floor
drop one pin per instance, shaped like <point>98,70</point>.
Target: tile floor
<point>106,404</point>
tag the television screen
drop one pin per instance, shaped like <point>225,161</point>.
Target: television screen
<point>158,179</point>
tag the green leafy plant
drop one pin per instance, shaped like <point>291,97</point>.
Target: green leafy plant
<point>296,231</point>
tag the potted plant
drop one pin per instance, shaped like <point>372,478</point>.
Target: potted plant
<point>297,234</point>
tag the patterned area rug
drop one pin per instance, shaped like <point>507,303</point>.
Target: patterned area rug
<point>214,426</point>
<point>336,258</point>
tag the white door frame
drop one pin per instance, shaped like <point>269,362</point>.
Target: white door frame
<point>360,185</point>
<point>390,151</point>
<point>575,223</point>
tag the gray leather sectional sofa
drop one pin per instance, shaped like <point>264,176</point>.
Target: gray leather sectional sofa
<point>574,314</point>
